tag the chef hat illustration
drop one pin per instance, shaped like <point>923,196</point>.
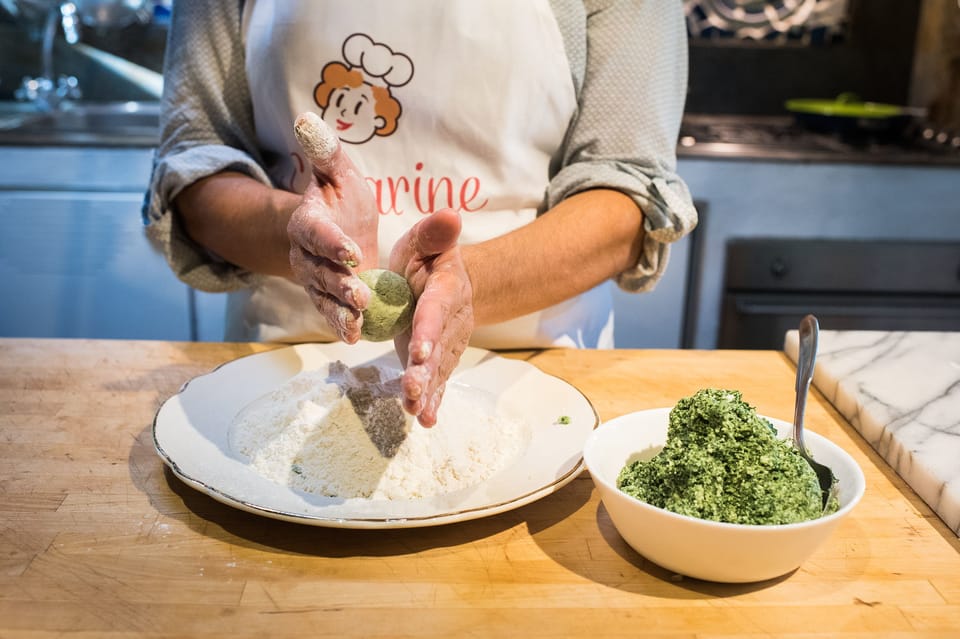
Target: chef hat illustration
<point>379,63</point>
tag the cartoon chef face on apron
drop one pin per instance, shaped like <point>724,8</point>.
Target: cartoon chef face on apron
<point>442,104</point>
<point>356,97</point>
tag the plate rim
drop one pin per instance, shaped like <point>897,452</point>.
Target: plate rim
<point>447,517</point>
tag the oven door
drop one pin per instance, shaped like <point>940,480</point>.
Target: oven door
<point>770,284</point>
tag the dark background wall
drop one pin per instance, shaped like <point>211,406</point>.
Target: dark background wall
<point>873,59</point>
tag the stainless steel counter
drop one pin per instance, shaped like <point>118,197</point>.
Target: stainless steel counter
<point>136,124</point>
<point>111,124</point>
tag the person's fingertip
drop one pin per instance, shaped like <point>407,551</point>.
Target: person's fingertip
<point>319,142</point>
<point>349,254</point>
<point>413,392</point>
<point>427,409</point>
<point>439,232</point>
<point>356,293</point>
<point>420,353</point>
<point>452,214</point>
<point>348,335</point>
<point>427,421</point>
<point>347,325</point>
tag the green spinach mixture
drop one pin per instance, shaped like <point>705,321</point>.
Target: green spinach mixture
<point>725,463</point>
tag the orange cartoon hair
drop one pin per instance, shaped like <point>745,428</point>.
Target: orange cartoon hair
<point>336,75</point>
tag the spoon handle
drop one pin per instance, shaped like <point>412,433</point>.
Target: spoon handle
<point>806,358</point>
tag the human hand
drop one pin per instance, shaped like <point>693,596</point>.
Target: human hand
<point>333,232</point>
<point>428,255</point>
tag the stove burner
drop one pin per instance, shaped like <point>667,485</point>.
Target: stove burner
<point>779,137</point>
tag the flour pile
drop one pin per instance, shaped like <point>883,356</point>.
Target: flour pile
<point>342,432</point>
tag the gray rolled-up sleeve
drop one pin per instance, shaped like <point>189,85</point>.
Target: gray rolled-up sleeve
<point>206,128</point>
<point>624,134</point>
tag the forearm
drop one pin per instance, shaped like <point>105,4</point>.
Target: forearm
<point>241,220</point>
<point>581,242</point>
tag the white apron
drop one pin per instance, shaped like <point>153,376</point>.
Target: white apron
<point>440,103</point>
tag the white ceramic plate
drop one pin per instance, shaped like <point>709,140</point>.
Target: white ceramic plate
<point>191,435</point>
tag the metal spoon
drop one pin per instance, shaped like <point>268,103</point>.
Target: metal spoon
<point>807,356</point>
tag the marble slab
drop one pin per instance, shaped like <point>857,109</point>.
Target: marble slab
<point>901,391</point>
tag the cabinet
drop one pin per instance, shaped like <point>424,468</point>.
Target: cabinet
<point>749,199</point>
<point>741,199</point>
<point>74,259</point>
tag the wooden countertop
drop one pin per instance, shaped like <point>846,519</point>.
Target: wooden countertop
<point>99,538</point>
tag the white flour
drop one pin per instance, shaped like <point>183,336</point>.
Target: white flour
<point>342,433</point>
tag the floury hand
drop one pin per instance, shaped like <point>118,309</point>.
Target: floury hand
<point>333,232</point>
<point>429,257</point>
<point>333,235</point>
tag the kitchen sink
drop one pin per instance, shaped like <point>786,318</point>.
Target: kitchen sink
<point>134,124</point>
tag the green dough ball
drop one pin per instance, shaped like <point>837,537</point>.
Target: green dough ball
<point>390,311</point>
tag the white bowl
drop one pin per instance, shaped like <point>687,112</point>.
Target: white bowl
<point>709,550</point>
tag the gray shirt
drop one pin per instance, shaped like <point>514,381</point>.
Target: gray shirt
<point>628,60</point>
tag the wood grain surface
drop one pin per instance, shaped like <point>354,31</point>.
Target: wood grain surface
<point>98,539</point>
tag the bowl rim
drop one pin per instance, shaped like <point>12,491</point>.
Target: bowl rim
<point>859,483</point>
